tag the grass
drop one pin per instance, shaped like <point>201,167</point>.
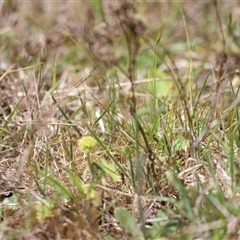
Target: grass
<point>119,120</point>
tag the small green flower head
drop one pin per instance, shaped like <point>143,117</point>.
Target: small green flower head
<point>87,144</point>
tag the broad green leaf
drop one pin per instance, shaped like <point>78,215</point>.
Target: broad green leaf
<point>59,187</point>
<point>75,179</point>
<point>44,210</point>
<point>160,88</point>
<point>110,170</point>
<point>128,224</point>
<point>180,144</point>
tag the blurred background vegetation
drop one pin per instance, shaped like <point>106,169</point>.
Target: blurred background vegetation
<point>119,119</point>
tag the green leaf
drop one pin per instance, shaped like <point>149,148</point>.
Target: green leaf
<point>184,204</point>
<point>76,180</point>
<point>108,237</point>
<point>180,144</point>
<point>44,210</point>
<point>128,224</point>
<point>160,88</point>
<point>110,170</point>
<point>11,115</point>
<point>59,187</point>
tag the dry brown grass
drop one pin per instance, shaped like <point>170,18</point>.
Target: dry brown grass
<point>70,69</point>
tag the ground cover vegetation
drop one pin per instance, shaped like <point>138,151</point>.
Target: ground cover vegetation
<point>119,120</point>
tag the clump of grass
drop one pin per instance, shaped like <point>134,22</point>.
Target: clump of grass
<point>95,146</point>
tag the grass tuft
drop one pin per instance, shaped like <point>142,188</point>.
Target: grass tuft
<point>119,120</point>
